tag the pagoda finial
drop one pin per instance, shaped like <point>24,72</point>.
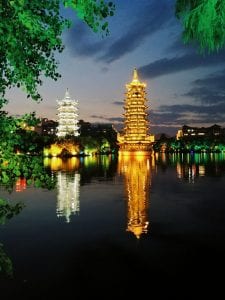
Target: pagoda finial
<point>135,79</point>
<point>67,94</point>
<point>135,75</point>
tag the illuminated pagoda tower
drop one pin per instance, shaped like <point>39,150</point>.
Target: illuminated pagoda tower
<point>135,136</point>
<point>67,116</point>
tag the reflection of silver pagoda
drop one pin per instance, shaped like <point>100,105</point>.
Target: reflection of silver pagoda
<point>67,116</point>
<point>68,188</point>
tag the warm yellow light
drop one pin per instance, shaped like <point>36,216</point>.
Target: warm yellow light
<point>56,149</point>
<point>137,173</point>
<point>140,153</point>
<point>56,163</point>
<point>46,152</point>
<point>135,136</point>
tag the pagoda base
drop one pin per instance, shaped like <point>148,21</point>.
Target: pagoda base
<point>133,148</point>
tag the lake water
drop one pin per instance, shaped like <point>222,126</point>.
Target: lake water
<point>117,225</point>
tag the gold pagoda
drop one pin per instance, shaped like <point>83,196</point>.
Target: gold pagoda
<point>135,135</point>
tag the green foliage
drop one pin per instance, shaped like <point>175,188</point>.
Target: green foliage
<point>31,33</point>
<point>90,143</point>
<point>203,21</point>
<point>93,12</point>
<point>201,144</point>
<point>14,139</point>
<point>28,167</point>
<point>6,267</point>
<point>7,211</point>
<point>98,137</point>
<point>14,135</point>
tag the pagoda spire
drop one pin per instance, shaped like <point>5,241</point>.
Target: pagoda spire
<point>135,76</point>
<point>135,80</point>
<point>67,94</point>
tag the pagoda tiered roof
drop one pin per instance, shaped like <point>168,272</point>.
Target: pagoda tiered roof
<point>67,116</point>
<point>135,134</point>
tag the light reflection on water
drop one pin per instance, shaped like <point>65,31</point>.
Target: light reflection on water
<point>68,193</point>
<point>68,180</point>
<point>137,175</point>
<point>68,185</point>
<point>56,163</point>
<point>137,172</point>
<point>191,166</point>
<point>119,217</point>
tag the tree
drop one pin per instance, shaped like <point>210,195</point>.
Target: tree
<point>30,34</point>
<point>7,211</point>
<point>203,22</point>
<point>15,143</point>
<point>15,134</point>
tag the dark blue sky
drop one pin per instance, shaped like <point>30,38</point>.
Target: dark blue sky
<point>183,86</point>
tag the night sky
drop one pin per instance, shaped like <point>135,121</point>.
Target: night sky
<point>183,86</point>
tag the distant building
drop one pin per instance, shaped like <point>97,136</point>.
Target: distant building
<point>99,131</point>
<point>102,128</point>
<point>67,116</point>
<point>135,135</point>
<point>198,132</point>
<point>84,128</point>
<point>48,127</point>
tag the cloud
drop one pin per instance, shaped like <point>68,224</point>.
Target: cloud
<point>157,118</point>
<point>144,19</point>
<point>118,103</point>
<point>146,24</point>
<point>97,117</point>
<point>82,43</point>
<point>108,119</point>
<point>178,114</point>
<point>169,118</point>
<point>171,131</point>
<point>115,119</point>
<point>176,64</point>
<point>210,89</point>
<point>188,108</point>
<point>178,46</point>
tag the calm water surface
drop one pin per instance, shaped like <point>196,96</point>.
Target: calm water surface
<point>114,225</point>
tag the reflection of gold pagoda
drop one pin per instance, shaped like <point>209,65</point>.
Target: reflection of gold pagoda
<point>136,170</point>
<point>135,136</point>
